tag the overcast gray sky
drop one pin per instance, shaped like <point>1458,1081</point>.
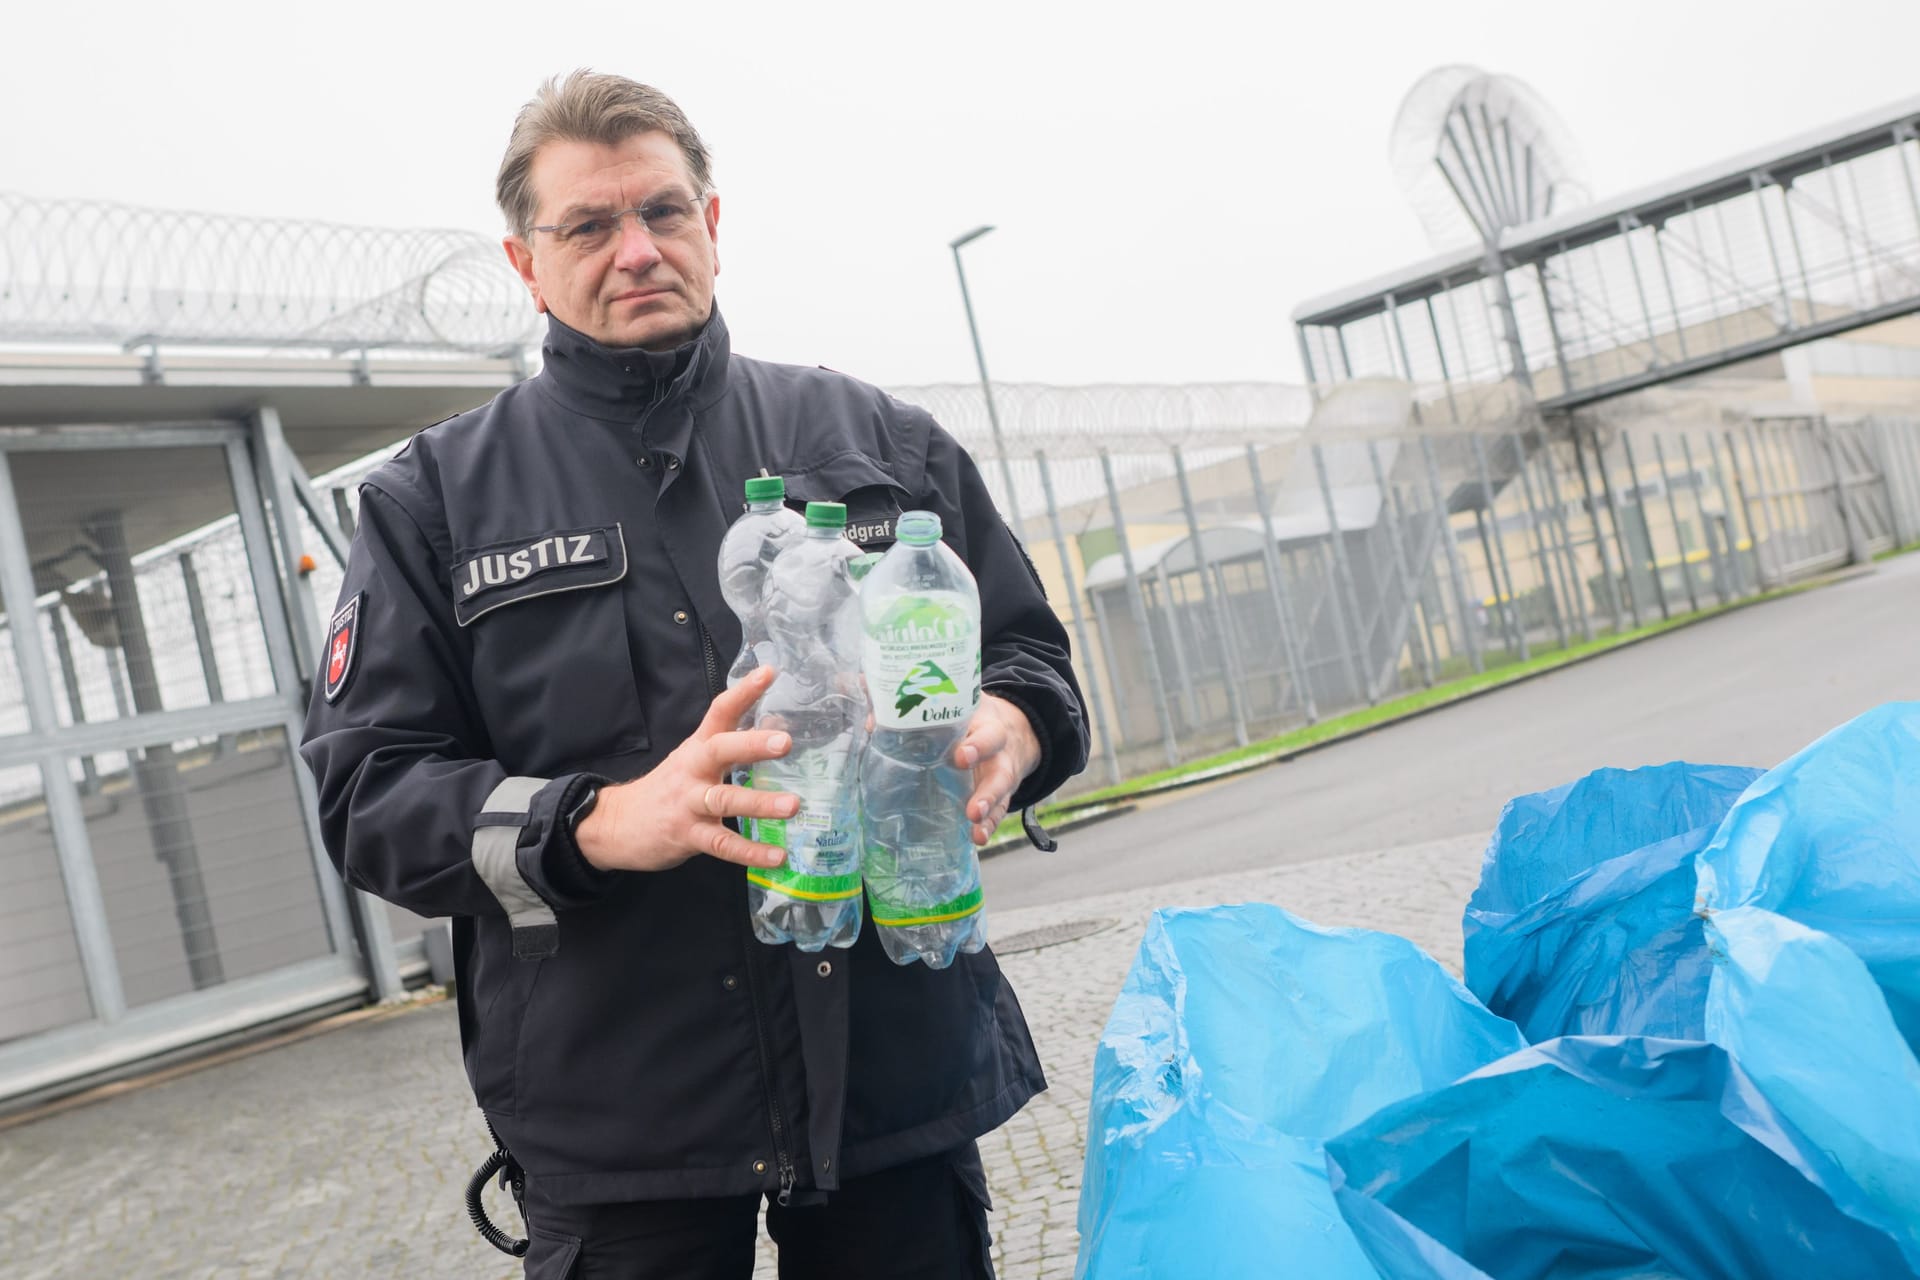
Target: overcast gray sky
<point>1168,180</point>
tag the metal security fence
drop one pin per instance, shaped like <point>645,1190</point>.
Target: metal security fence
<point>1225,592</point>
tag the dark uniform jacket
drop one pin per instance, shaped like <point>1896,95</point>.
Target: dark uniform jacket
<point>532,603</point>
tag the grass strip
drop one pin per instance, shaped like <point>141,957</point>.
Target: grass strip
<point>1365,719</point>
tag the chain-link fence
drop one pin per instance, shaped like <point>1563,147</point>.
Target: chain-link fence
<point>1231,580</point>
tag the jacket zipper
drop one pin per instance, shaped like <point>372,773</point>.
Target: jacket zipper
<point>776,1121</point>
<point>711,660</point>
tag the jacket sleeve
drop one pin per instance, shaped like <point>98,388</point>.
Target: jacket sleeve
<point>1023,646</point>
<point>411,806</point>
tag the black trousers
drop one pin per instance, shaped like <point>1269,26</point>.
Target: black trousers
<point>922,1221</point>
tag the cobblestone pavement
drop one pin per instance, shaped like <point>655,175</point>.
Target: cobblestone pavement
<point>345,1155</point>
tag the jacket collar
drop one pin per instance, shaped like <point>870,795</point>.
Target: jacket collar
<point>621,384</point>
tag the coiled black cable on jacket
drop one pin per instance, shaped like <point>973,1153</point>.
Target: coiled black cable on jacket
<point>477,1211</point>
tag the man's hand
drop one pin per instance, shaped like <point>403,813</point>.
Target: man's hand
<point>674,812</point>
<point>1001,750</point>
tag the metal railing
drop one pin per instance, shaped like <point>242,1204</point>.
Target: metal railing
<point>1815,236</point>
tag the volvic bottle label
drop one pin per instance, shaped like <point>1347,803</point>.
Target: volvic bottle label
<point>923,661</point>
<point>822,853</point>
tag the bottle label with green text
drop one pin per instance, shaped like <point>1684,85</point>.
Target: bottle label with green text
<point>823,855</point>
<point>922,659</point>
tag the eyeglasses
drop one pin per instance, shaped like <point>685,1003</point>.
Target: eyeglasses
<point>664,218</point>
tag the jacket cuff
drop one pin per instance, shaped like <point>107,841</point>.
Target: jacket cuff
<point>574,880</point>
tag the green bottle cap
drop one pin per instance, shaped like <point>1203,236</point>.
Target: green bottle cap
<point>766,489</point>
<point>826,515</point>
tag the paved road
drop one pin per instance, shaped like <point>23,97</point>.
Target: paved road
<point>1748,687</point>
<point>343,1157</point>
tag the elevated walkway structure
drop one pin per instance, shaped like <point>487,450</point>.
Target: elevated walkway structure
<point>169,382</point>
<point>1601,318</point>
<point>1810,238</point>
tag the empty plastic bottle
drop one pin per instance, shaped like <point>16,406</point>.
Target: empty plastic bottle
<point>812,606</point>
<point>746,555</point>
<point>920,611</point>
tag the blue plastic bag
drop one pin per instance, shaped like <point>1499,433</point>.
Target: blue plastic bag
<point>1831,838</point>
<point>1583,921</point>
<point>1242,1039</point>
<point>1618,948</point>
<point>1601,1158</point>
<point>1801,1014</point>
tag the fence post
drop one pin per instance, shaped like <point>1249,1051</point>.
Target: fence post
<point>1548,572</point>
<point>1857,552</point>
<point>1736,568</point>
<point>1673,514</point>
<point>1073,615</point>
<point>1343,577</point>
<point>1890,480</point>
<point>202,637</point>
<point>1511,609</point>
<point>1140,619</point>
<point>1229,673</point>
<point>1496,613</point>
<point>1289,634</point>
<point>1746,513</point>
<point>1550,486</point>
<point>1619,529</point>
<point>1599,539</point>
<point>1105,631</point>
<point>1707,531</point>
<point>70,677</point>
<point>1570,558</point>
<point>1425,582</point>
<point>1640,501</point>
<point>1445,526</point>
<point>1389,501</point>
<point>1905,440</point>
<point>1770,515</point>
<point>1170,608</point>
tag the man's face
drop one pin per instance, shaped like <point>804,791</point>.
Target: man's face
<point>631,288</point>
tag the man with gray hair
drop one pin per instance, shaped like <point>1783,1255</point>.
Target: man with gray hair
<point>522,724</point>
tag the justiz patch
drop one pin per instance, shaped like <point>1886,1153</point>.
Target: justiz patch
<point>520,570</point>
<point>501,568</point>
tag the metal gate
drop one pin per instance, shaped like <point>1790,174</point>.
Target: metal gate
<point>164,879</point>
<point>1822,493</point>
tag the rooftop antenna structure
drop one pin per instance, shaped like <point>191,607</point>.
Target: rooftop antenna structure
<point>1476,153</point>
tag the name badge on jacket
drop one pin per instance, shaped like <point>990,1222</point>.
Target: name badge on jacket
<point>505,573</point>
<point>871,513</point>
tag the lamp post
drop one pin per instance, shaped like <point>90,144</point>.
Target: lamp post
<point>986,387</point>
